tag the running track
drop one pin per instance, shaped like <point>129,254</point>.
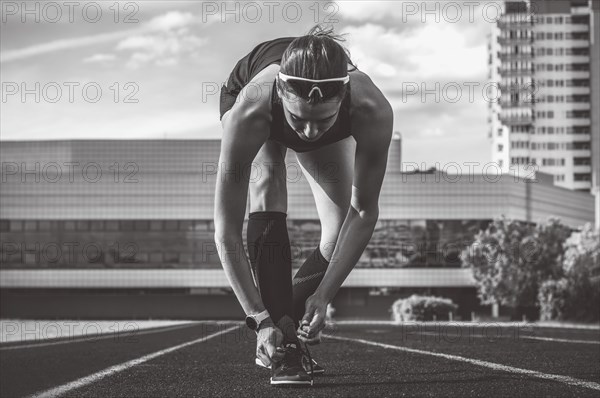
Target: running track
<point>216,359</point>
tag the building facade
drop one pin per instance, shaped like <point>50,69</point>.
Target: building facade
<point>542,58</point>
<point>105,218</point>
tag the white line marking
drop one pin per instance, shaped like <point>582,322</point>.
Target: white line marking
<point>560,340</point>
<point>495,366</point>
<point>524,337</point>
<point>499,324</point>
<point>124,335</point>
<point>84,381</point>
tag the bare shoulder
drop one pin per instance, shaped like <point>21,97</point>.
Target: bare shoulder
<point>369,110</point>
<point>366,98</point>
<point>253,104</point>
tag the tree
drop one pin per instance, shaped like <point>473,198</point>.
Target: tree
<point>576,296</point>
<point>511,259</point>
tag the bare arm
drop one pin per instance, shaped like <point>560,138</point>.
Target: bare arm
<point>373,133</point>
<point>369,171</point>
<point>244,132</point>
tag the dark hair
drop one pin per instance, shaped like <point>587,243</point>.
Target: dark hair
<point>317,55</point>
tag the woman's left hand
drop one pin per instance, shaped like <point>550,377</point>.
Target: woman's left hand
<point>314,317</point>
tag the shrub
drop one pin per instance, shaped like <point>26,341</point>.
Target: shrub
<point>422,308</point>
<point>552,297</point>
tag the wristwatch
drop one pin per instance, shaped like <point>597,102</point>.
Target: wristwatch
<point>254,321</point>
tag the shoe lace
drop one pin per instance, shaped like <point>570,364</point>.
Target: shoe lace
<point>299,351</point>
<point>306,352</point>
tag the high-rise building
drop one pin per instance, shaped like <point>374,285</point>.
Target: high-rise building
<point>595,63</point>
<point>542,55</point>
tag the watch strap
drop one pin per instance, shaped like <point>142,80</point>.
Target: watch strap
<point>261,317</point>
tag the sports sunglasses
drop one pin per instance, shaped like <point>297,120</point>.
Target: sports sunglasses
<point>305,88</point>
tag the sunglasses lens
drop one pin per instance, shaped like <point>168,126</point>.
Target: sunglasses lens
<point>331,89</point>
<point>303,88</point>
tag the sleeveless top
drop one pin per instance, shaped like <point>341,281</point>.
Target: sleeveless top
<point>271,52</point>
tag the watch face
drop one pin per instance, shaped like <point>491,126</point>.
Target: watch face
<point>251,323</point>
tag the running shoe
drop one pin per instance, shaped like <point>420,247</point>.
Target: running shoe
<point>290,370</point>
<point>316,369</point>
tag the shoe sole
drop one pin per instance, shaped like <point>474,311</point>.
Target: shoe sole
<point>292,382</point>
<point>262,365</point>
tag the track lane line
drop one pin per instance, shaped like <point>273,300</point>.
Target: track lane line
<point>555,339</point>
<point>560,340</point>
<point>109,335</point>
<point>84,381</point>
<point>486,364</point>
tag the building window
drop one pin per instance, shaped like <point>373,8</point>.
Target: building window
<point>82,226</point>
<point>96,225</point>
<point>126,225</point>
<point>142,225</point>
<point>500,147</point>
<point>171,225</point>
<point>582,177</point>
<point>45,226</point>
<point>581,161</point>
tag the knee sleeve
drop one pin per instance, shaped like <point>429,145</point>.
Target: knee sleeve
<point>270,257</point>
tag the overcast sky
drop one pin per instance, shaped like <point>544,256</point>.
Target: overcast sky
<point>159,64</point>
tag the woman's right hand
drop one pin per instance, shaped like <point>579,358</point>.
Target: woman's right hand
<point>269,338</point>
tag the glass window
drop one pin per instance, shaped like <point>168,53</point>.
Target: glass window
<point>82,225</point>
<point>142,225</point>
<point>126,225</point>
<point>156,257</point>
<point>156,225</point>
<point>171,257</point>
<point>185,225</point>
<point>29,225</point>
<point>171,225</point>
<point>4,225</point>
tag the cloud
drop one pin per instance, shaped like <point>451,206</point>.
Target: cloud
<point>59,45</point>
<point>366,11</point>
<point>433,132</point>
<point>164,49</point>
<point>167,22</point>
<point>170,20</point>
<point>431,52</point>
<point>100,58</point>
